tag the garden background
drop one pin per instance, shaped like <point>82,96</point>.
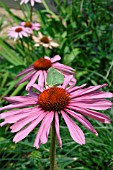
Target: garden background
<point>84,31</point>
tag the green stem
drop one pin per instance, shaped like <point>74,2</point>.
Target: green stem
<point>53,148</point>
<point>49,11</point>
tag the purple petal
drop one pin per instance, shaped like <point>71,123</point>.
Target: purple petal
<point>14,112</point>
<point>90,113</point>
<point>58,129</point>
<point>27,70</point>
<point>27,77</point>
<point>23,133</point>
<point>97,104</point>
<point>82,120</point>
<point>33,79</point>
<point>43,132</point>
<point>41,79</point>
<point>34,114</point>
<point>75,132</point>
<point>76,88</point>
<point>20,99</point>
<point>18,105</point>
<point>55,58</point>
<point>87,90</point>
<point>66,81</point>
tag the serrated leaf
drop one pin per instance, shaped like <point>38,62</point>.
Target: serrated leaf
<point>54,77</point>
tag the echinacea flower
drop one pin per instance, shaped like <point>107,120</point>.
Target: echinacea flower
<point>33,26</point>
<point>45,41</point>
<point>19,32</point>
<point>31,1</point>
<point>51,103</point>
<point>38,70</point>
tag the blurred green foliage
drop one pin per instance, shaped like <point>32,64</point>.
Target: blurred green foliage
<point>84,30</point>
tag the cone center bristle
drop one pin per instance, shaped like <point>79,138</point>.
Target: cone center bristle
<point>28,24</point>
<point>45,40</point>
<point>53,99</point>
<point>42,64</point>
<point>18,29</point>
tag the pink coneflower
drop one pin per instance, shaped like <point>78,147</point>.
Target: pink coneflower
<point>38,70</point>
<point>31,1</point>
<point>33,26</point>
<point>19,32</point>
<point>51,103</point>
<point>45,41</point>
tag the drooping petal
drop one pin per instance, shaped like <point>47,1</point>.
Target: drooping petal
<point>33,79</point>
<point>27,77</point>
<point>75,132</point>
<point>14,112</point>
<point>34,114</point>
<point>58,129</point>
<point>97,104</point>
<point>82,120</point>
<point>90,113</point>
<point>27,70</point>
<point>41,79</point>
<point>43,132</point>
<point>23,133</point>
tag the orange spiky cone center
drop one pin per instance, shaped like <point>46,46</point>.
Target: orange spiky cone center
<point>42,64</point>
<point>18,29</point>
<point>45,40</point>
<point>28,24</point>
<point>53,99</point>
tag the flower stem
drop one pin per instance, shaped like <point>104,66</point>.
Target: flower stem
<point>53,148</point>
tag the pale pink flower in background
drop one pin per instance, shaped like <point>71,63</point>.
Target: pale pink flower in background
<point>19,32</point>
<point>33,26</point>
<point>38,70</point>
<point>49,104</point>
<point>31,1</point>
<point>45,41</point>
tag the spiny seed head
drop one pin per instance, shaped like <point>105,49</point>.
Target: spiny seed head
<point>42,64</point>
<point>45,40</point>
<point>19,29</point>
<point>28,24</point>
<point>53,99</point>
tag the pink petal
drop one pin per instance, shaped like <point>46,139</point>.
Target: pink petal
<point>15,118</point>
<point>20,99</point>
<point>58,129</point>
<point>33,79</point>
<point>97,104</point>
<point>23,122</point>
<point>23,133</point>
<point>41,79</point>
<point>19,105</point>
<point>87,90</point>
<point>27,77</point>
<point>27,70</point>
<point>75,132</point>
<point>82,120</point>
<point>76,88</point>
<point>14,112</point>
<point>43,132</point>
<point>55,58</point>
<point>93,114</point>
<point>66,81</point>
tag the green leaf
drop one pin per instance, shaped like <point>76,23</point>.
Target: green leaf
<point>9,54</point>
<point>14,17</point>
<point>54,77</point>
